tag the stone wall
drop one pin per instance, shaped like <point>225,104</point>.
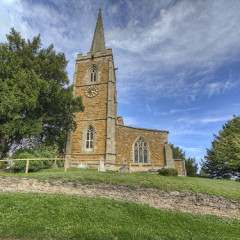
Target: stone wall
<point>125,138</point>
<point>182,201</point>
<point>179,164</point>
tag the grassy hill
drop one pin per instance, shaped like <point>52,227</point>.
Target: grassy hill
<point>44,216</point>
<point>225,188</point>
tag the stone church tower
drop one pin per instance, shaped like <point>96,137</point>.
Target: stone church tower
<point>100,134</point>
<point>94,80</point>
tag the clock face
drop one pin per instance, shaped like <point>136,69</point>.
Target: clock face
<point>91,91</point>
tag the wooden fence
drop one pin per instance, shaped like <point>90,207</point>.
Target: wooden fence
<point>51,159</point>
<point>66,159</point>
<point>37,159</point>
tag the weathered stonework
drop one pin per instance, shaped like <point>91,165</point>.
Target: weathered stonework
<point>179,164</point>
<point>182,201</point>
<point>112,141</point>
<point>125,138</point>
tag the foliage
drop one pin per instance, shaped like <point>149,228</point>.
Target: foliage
<point>168,172</point>
<point>225,188</point>
<point>177,152</point>
<point>42,216</point>
<point>190,163</point>
<point>223,158</point>
<point>202,173</point>
<point>3,165</point>
<point>34,98</point>
<point>38,151</point>
<point>4,147</point>
<point>191,167</point>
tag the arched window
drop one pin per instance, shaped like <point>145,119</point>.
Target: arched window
<point>93,72</point>
<point>140,151</point>
<point>90,138</point>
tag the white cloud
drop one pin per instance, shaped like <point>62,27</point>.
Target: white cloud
<point>203,120</point>
<point>216,119</point>
<point>169,44</point>
<point>129,121</point>
<point>184,38</point>
<point>218,87</point>
<point>189,32</point>
<point>183,132</point>
<point>8,17</point>
<point>193,150</point>
<point>174,111</point>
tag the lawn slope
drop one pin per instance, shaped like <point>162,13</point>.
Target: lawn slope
<point>42,216</point>
<point>225,188</point>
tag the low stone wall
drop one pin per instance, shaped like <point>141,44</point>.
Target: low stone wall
<point>182,201</point>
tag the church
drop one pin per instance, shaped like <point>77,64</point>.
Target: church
<point>100,134</point>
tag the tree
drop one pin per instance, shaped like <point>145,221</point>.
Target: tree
<point>35,99</point>
<point>191,167</point>
<point>223,159</point>
<point>178,153</point>
<point>190,163</point>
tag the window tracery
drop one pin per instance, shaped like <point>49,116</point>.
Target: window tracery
<point>93,75</point>
<point>88,140</point>
<point>140,151</point>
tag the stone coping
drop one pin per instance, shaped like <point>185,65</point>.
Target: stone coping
<point>146,129</point>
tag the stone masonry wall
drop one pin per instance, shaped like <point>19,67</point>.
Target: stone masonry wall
<point>95,110</point>
<point>125,138</point>
<point>180,166</point>
<point>171,200</point>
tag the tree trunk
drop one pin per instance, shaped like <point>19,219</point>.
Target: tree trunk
<point>1,145</point>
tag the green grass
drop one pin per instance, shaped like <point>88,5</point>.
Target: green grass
<point>42,216</point>
<point>225,188</point>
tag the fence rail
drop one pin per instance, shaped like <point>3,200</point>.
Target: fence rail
<point>40,159</point>
<point>66,159</point>
<point>35,159</point>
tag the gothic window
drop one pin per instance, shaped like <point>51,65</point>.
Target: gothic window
<point>140,151</point>
<point>90,138</point>
<point>93,74</point>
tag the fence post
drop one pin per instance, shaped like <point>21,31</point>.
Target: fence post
<point>65,164</point>
<point>27,165</point>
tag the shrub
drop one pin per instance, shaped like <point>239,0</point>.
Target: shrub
<point>20,166</point>
<point>168,172</point>
<point>3,165</point>
<point>34,165</point>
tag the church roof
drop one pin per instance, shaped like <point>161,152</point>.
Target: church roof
<point>98,42</point>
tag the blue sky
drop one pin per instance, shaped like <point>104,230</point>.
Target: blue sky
<point>179,61</point>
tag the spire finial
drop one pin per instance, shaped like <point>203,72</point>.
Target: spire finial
<point>98,43</point>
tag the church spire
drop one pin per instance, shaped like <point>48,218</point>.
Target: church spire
<point>98,43</point>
